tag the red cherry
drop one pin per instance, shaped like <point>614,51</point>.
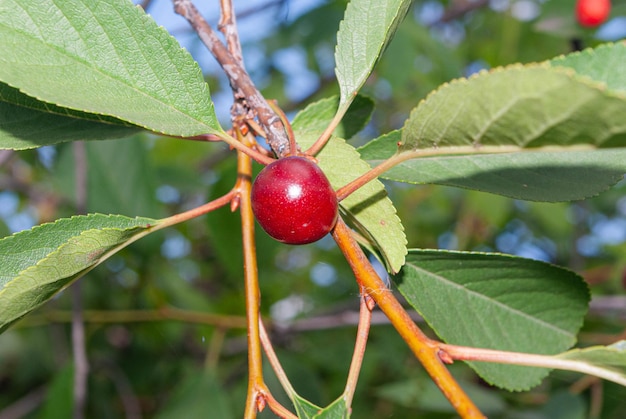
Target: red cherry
<point>592,13</point>
<point>293,201</point>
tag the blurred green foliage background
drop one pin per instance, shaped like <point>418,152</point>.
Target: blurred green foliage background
<point>164,317</point>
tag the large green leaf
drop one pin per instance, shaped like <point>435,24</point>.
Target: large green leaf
<point>549,176</point>
<point>534,132</point>
<point>367,28</point>
<point>104,57</point>
<point>36,264</point>
<point>499,302</point>
<point>369,208</point>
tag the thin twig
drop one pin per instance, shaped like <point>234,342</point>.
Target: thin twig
<point>325,136</point>
<point>275,363</point>
<point>239,79</point>
<point>228,26</point>
<point>255,154</point>
<point>362,333</point>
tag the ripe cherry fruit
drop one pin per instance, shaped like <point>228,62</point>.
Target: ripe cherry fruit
<point>592,13</point>
<point>293,201</point>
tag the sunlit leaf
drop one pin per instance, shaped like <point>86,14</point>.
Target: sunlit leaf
<point>365,31</point>
<point>532,132</point>
<point>36,264</point>
<point>104,57</point>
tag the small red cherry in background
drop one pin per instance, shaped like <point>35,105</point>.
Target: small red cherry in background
<point>293,201</point>
<point>590,13</point>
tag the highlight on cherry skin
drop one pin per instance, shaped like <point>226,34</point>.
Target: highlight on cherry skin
<point>293,201</point>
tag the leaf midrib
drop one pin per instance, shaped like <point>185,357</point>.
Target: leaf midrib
<point>490,300</point>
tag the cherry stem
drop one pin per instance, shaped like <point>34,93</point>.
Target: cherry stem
<point>237,145</point>
<point>275,363</point>
<point>425,350</point>
<point>195,212</point>
<point>375,172</point>
<point>328,132</point>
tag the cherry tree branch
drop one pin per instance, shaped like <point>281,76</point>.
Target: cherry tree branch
<point>243,87</point>
<point>425,350</point>
<point>228,26</point>
<point>255,399</point>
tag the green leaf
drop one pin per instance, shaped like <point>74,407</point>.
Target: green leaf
<point>530,132</point>
<point>369,208</point>
<point>335,410</point>
<point>536,176</point>
<point>37,263</point>
<point>304,408</point>
<point>498,302</point>
<point>316,117</point>
<point>603,64</point>
<point>367,28</point>
<point>608,362</point>
<point>106,58</point>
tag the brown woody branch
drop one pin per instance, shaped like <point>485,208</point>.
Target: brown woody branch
<point>243,87</point>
